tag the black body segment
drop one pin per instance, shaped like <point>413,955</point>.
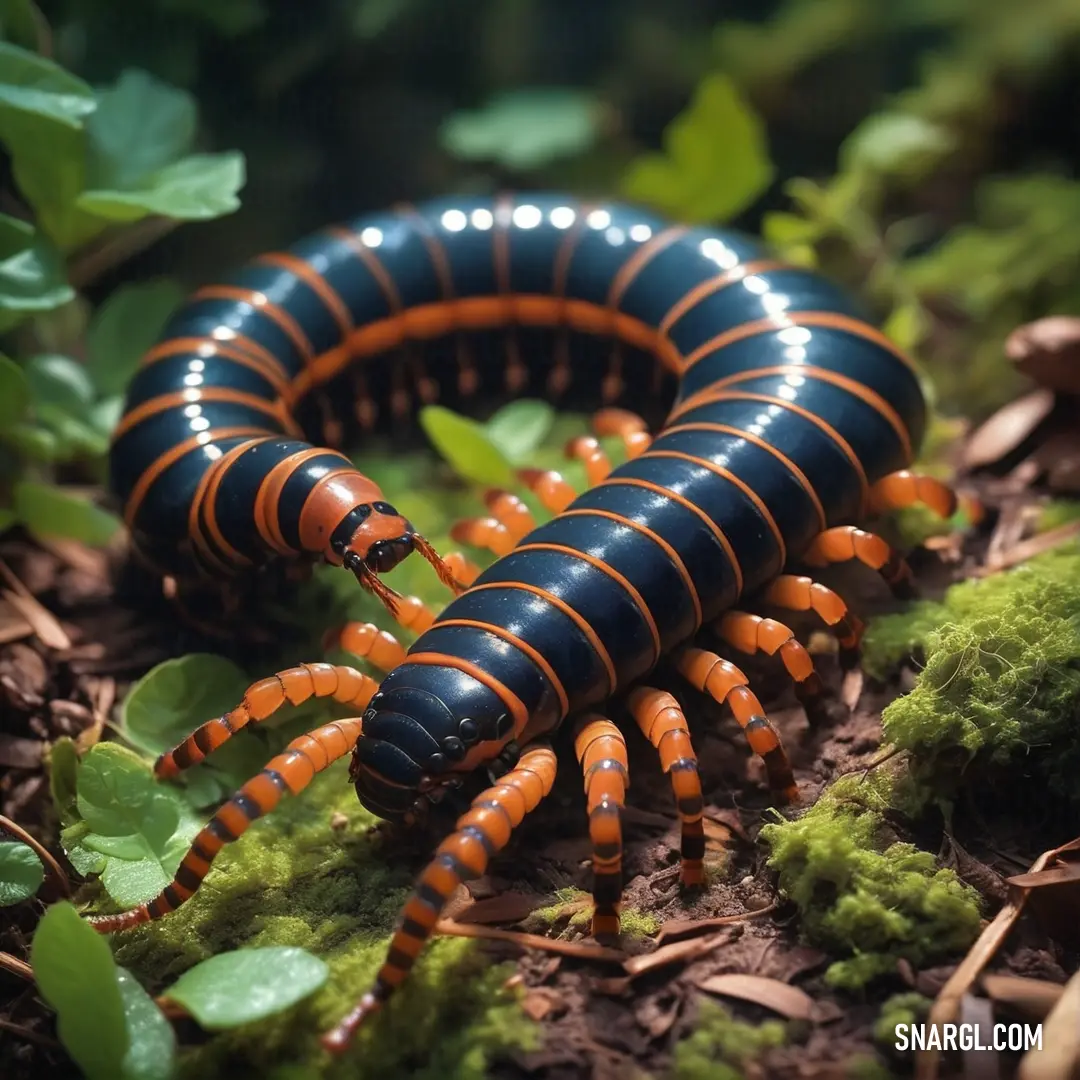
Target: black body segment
<point>787,407</point>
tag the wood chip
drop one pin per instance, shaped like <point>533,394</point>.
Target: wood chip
<point>543,1001</point>
<point>1010,426</point>
<point>1032,998</point>
<point>682,928</point>
<point>1054,875</point>
<point>1028,549</point>
<point>679,952</point>
<point>509,907</point>
<point>1059,1056</point>
<point>13,626</point>
<point>16,753</point>
<point>580,950</point>
<point>778,997</point>
<point>1048,351</point>
<point>44,623</point>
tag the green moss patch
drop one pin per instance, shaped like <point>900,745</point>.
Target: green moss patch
<point>294,880</point>
<point>862,896</point>
<point>721,1046</point>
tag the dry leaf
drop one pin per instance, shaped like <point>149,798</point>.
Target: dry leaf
<point>779,997</point>
<point>1048,351</point>
<point>509,907</point>
<point>679,928</point>
<point>1007,429</point>
<point>1032,998</point>
<point>581,950</point>
<point>678,952</point>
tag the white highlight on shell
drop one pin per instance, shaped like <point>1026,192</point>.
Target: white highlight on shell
<point>527,216</point>
<point>562,217</point>
<point>795,335</point>
<point>718,252</point>
<point>371,236</point>
<point>482,219</point>
<point>615,236</point>
<point>454,220</point>
<point>598,219</point>
<point>640,233</point>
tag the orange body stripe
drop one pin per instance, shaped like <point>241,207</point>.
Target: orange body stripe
<point>660,542</point>
<point>514,705</point>
<point>574,616</point>
<point>741,484</point>
<point>603,567</point>
<point>237,348</point>
<point>522,646</point>
<point>374,264</point>
<point>699,292</point>
<point>261,303</point>
<point>715,529</point>
<point>217,473</point>
<point>196,395</point>
<point>637,262</point>
<point>266,498</point>
<point>315,282</point>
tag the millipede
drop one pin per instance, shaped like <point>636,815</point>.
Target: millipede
<point>793,419</point>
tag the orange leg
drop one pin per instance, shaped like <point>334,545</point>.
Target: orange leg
<point>479,834</point>
<point>751,633</point>
<point>601,751</point>
<point>291,771</point>
<point>803,594</point>
<point>379,647</point>
<point>724,682</point>
<point>554,493</point>
<point>661,719</point>
<point>905,488</point>
<point>846,542</point>
<point>628,426</point>
<point>510,521</point>
<point>261,700</point>
<point>587,450</point>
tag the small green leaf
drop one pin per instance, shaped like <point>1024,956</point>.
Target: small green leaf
<point>141,125</point>
<point>50,512</point>
<point>31,441</point>
<point>896,144</point>
<point>140,827</point>
<point>195,188</point>
<point>525,129</point>
<point>7,519</point>
<point>239,987</point>
<point>715,162</point>
<point>74,970</point>
<point>466,446</point>
<point>21,873</point>
<point>32,275</point>
<point>151,1053</point>
<point>782,228</point>
<point>14,393</point>
<point>520,427</point>
<point>63,776</point>
<point>22,24</point>
<point>124,328</point>
<point>908,325</point>
<point>59,381</point>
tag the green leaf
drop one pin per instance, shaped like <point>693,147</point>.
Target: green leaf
<point>239,987</point>
<point>230,20</point>
<point>466,446</point>
<point>151,1053</point>
<point>715,162</point>
<point>32,275</point>
<point>51,512</point>
<point>896,144</point>
<point>75,973</point>
<point>196,188</point>
<point>14,393</point>
<point>524,129</point>
<point>140,827</point>
<point>370,18</point>
<point>42,109</point>
<point>141,125</point>
<point>519,428</point>
<point>124,328</point>
<point>63,776</point>
<point>22,24</point>
<point>31,441</point>
<point>7,519</point>
<point>908,325</point>
<point>59,381</point>
<point>21,873</point>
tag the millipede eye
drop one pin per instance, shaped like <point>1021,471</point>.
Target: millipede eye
<point>352,561</point>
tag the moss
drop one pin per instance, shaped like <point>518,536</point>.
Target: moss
<point>870,900</point>
<point>1001,678</point>
<point>1056,513</point>
<point>575,908</point>
<point>865,1067</point>
<point>900,1009</point>
<point>293,880</point>
<point>721,1046</point>
<point>639,924</point>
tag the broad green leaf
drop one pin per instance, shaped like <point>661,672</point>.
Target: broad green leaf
<point>32,275</point>
<point>525,129</point>
<point>466,446</point>
<point>75,973</point>
<point>84,859</point>
<point>896,144</point>
<point>59,381</point>
<point>141,125</point>
<point>14,393</point>
<point>715,162</point>
<point>51,512</point>
<point>782,228</point>
<point>22,24</point>
<point>239,987</point>
<point>124,328</point>
<point>151,1053</point>
<point>31,441</point>
<point>907,326</point>
<point>195,188</point>
<point>63,777</point>
<point>42,110</point>
<point>21,873</point>
<point>142,828</point>
<point>519,428</point>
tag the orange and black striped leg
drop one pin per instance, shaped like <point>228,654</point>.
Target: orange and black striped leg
<point>479,834</point>
<point>628,426</point>
<point>794,593</point>
<point>724,682</point>
<point>554,493</point>
<point>510,521</point>
<point>601,752</point>
<point>291,771</point>
<point>751,633</point>
<point>663,722</point>
<point>847,542</point>
<point>261,700</point>
<point>378,647</point>
<point>902,489</point>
